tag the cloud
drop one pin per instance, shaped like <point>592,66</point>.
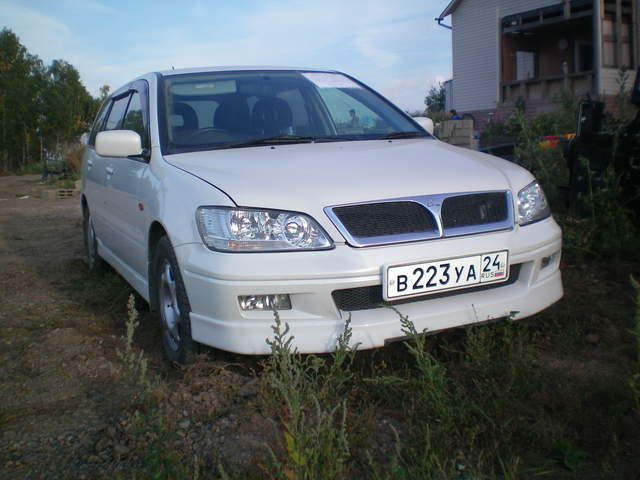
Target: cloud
<point>380,57</point>
<point>92,5</point>
<point>396,50</point>
<point>42,34</point>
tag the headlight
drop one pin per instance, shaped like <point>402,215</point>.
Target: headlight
<point>254,230</point>
<point>532,204</point>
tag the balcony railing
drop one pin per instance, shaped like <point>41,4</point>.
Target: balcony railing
<point>546,88</point>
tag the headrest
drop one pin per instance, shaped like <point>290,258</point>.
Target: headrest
<point>271,116</point>
<point>233,115</point>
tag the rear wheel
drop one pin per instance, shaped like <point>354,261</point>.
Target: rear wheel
<point>173,304</point>
<point>94,261</point>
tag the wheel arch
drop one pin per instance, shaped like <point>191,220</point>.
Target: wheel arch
<point>156,232</point>
<point>84,205</point>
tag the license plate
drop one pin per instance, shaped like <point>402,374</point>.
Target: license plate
<point>448,274</point>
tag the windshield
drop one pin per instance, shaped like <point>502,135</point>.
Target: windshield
<point>240,109</point>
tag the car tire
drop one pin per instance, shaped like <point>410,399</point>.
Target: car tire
<point>94,261</point>
<point>172,305</point>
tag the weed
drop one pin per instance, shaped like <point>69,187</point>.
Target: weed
<point>134,363</point>
<point>430,384</point>
<point>429,401</point>
<point>636,317</point>
<point>160,459</point>
<point>462,421</point>
<point>635,378</point>
<point>624,107</point>
<point>307,395</point>
<point>432,411</point>
<point>613,229</point>
<point>568,455</point>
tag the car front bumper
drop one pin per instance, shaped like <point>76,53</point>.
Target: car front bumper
<point>214,280</point>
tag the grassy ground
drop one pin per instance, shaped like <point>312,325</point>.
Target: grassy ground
<point>84,394</point>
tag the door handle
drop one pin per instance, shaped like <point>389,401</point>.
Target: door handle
<point>89,164</point>
<point>110,171</point>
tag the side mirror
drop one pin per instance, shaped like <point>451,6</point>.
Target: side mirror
<point>426,123</point>
<point>118,143</point>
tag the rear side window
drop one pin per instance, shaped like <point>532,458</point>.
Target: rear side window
<point>134,119</point>
<point>116,115</point>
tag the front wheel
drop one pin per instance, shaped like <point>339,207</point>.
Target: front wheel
<point>173,305</point>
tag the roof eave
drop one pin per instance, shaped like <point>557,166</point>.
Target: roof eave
<point>453,4</point>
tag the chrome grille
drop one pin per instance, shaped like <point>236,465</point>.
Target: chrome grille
<point>387,218</point>
<point>410,219</point>
<point>474,209</point>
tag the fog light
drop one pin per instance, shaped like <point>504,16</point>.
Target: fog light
<point>546,261</point>
<point>279,301</point>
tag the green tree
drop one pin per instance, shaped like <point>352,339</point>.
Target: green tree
<point>69,107</point>
<point>104,92</point>
<point>37,104</point>
<point>20,82</point>
<point>435,99</point>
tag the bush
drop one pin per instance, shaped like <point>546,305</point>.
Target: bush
<point>598,222</point>
<point>73,157</point>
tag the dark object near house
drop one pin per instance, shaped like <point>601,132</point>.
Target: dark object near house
<point>635,95</point>
<point>627,161</point>
<point>596,145</point>
<point>505,148</point>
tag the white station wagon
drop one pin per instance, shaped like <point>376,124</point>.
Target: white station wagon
<point>223,194</point>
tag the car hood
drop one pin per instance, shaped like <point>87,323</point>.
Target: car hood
<point>309,177</point>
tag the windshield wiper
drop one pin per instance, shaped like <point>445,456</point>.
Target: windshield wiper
<point>283,140</point>
<point>399,135</point>
<point>275,140</point>
<point>333,138</point>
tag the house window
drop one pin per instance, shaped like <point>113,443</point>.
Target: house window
<point>525,65</point>
<point>583,57</point>
<point>610,40</point>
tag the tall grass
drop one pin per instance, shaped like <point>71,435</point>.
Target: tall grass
<point>135,363</point>
<point>309,397</point>
<point>461,419</point>
<point>635,378</point>
<point>428,399</point>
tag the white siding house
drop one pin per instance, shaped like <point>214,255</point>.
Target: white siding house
<point>526,51</point>
<point>476,55</point>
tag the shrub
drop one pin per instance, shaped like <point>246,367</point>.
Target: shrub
<point>73,157</point>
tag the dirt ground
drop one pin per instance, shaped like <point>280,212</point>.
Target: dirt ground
<point>62,395</point>
<point>65,404</point>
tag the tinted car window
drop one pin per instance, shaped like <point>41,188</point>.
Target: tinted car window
<point>134,120</point>
<point>237,109</point>
<point>114,121</point>
<point>350,115</point>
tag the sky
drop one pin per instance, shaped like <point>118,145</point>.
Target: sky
<point>394,46</point>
